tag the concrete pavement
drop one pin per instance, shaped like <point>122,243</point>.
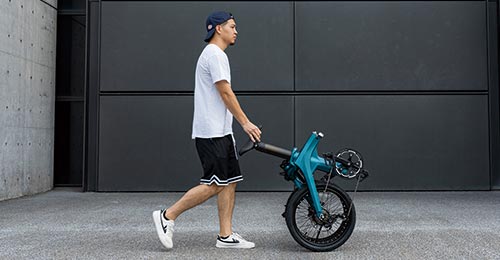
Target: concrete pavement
<point>67,224</point>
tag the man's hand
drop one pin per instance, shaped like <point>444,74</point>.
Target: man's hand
<point>252,131</point>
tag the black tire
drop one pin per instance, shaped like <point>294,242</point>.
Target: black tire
<point>308,230</point>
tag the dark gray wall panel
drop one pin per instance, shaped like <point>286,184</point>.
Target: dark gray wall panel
<point>154,46</point>
<point>91,130</point>
<point>145,143</point>
<point>494,92</point>
<point>416,142</point>
<point>391,45</point>
<point>275,114</point>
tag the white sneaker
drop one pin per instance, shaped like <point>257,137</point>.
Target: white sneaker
<point>233,241</point>
<point>164,228</point>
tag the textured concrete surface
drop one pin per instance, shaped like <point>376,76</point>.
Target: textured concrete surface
<point>66,224</point>
<point>27,95</point>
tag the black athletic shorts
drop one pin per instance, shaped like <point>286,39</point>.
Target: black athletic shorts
<point>219,161</point>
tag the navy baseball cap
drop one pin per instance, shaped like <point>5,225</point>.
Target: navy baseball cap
<point>215,19</point>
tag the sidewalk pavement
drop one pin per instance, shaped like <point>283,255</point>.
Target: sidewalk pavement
<point>68,224</point>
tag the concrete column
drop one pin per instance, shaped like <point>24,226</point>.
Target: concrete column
<point>27,96</point>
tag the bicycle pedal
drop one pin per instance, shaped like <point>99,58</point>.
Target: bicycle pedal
<point>364,175</point>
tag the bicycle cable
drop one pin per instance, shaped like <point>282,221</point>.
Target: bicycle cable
<point>355,189</point>
<point>352,199</point>
<point>328,180</point>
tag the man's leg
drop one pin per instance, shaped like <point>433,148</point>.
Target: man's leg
<point>192,198</point>
<point>225,203</point>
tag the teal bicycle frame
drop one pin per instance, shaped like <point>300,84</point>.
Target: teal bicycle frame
<point>308,161</point>
<point>300,165</point>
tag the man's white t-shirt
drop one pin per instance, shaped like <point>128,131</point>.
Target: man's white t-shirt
<point>211,117</point>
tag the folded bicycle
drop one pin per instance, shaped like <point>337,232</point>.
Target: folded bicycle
<point>319,214</point>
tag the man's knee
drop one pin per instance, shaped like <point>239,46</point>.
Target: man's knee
<point>215,189</point>
<point>228,189</point>
<point>232,186</point>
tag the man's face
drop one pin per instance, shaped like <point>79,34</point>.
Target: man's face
<point>228,31</point>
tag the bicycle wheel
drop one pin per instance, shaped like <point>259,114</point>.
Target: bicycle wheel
<point>318,234</point>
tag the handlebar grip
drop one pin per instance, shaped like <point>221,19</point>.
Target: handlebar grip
<point>246,148</point>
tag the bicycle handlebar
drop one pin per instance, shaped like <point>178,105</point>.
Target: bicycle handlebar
<point>265,148</point>
<point>273,150</point>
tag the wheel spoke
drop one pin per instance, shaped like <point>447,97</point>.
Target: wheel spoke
<point>319,232</point>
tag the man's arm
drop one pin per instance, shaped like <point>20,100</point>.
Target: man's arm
<point>234,107</point>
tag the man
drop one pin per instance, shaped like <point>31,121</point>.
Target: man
<point>214,107</point>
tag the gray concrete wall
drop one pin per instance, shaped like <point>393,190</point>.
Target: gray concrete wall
<point>27,96</point>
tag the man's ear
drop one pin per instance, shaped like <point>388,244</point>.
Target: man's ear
<point>218,28</point>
